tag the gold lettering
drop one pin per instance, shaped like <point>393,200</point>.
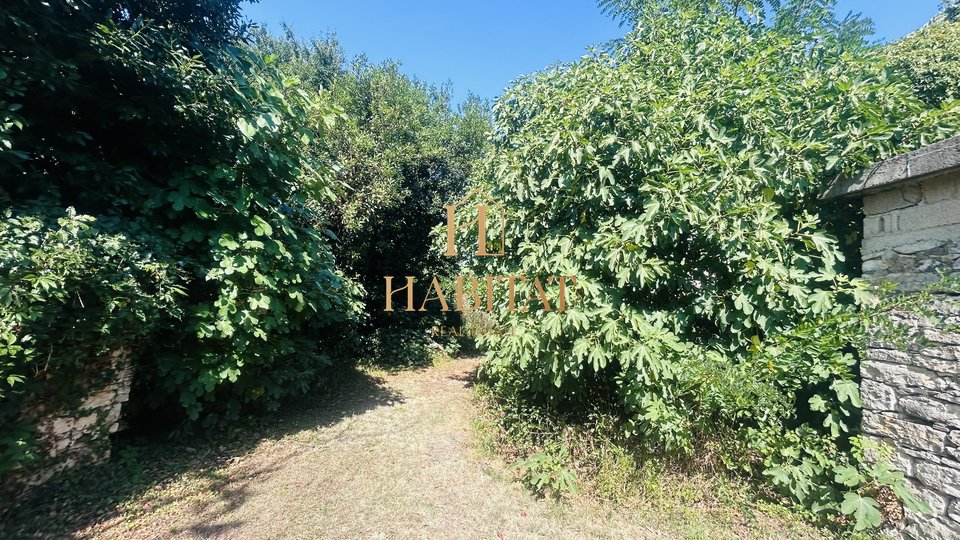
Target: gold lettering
<point>434,286</point>
<point>390,293</point>
<point>538,287</point>
<point>511,291</point>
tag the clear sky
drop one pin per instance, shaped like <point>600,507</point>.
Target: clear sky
<point>480,46</point>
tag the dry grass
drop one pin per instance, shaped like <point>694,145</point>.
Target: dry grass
<point>391,456</point>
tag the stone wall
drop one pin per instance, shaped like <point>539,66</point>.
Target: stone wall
<point>912,231</point>
<point>81,435</point>
<point>911,394</point>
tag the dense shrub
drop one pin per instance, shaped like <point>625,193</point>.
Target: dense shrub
<point>403,151</point>
<point>158,122</point>
<point>68,295</point>
<point>930,57</point>
<point>677,175</point>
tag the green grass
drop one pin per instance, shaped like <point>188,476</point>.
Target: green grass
<point>691,498</point>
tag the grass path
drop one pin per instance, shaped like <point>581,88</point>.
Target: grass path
<point>389,456</point>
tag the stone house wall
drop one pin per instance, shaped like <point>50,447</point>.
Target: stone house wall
<point>911,394</point>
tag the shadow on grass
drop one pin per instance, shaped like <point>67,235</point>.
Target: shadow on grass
<point>131,484</point>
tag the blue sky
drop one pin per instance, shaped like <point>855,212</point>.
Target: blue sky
<point>480,47</point>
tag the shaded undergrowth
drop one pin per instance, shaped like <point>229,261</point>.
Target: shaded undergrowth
<point>130,484</point>
<point>590,458</point>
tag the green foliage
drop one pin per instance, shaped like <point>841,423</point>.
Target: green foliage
<point>69,293</point>
<point>315,62</point>
<point>812,19</point>
<point>546,472</point>
<point>154,119</point>
<point>403,151</point>
<point>677,175</point>
<point>930,58</point>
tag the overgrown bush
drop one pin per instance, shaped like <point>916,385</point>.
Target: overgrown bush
<point>156,120</point>
<point>930,57</point>
<point>677,175</point>
<point>403,151</point>
<point>69,294</point>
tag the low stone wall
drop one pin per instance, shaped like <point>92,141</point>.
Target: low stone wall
<point>912,403</point>
<point>911,392</point>
<point>79,436</point>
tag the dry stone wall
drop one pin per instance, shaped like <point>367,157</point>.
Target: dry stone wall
<point>911,394</point>
<point>80,435</point>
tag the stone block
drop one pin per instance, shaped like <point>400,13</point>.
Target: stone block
<point>101,399</point>
<point>84,423</point>
<point>938,189</point>
<point>943,352</point>
<point>905,434</point>
<point>953,438</point>
<point>62,425</point>
<point>938,360</point>
<point>918,245</point>
<point>928,216</point>
<point>939,477</point>
<point>938,502</point>
<point>881,245</point>
<point>892,199</point>
<point>876,265</point>
<point>919,456</point>
<point>932,410</point>
<point>897,375</point>
<point>931,529</point>
<point>953,511</point>
<point>878,396</point>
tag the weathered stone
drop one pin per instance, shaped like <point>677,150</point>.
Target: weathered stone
<point>954,510</point>
<point>930,529</point>
<point>939,189</point>
<point>938,502</point>
<point>911,397</point>
<point>921,456</point>
<point>942,360</point>
<point>878,396</point>
<point>62,425</point>
<point>68,438</point>
<point>918,246</point>
<point>85,422</point>
<point>940,478</point>
<point>921,164</point>
<point>943,352</point>
<point>906,434</point>
<point>876,265</point>
<point>897,375</point>
<point>928,216</point>
<point>953,438</point>
<point>932,410</point>
<point>893,199</point>
<point>100,399</point>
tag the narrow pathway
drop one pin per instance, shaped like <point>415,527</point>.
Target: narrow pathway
<point>390,457</point>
